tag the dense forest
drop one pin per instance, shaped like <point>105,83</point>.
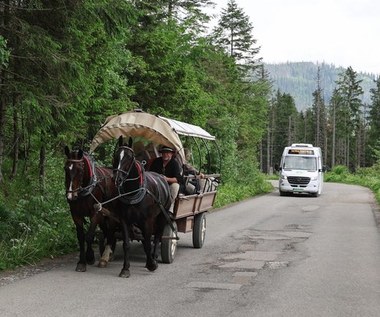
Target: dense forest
<point>346,128</point>
<point>299,80</point>
<point>65,65</point>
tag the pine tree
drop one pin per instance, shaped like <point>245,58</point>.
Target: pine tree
<point>234,35</point>
<point>319,114</point>
<point>350,92</point>
<point>374,120</point>
<point>285,124</point>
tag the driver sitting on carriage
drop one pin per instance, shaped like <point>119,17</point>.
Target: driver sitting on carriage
<point>168,166</point>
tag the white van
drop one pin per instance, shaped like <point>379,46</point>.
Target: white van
<point>301,170</point>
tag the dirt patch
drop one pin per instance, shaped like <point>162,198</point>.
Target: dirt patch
<point>11,276</point>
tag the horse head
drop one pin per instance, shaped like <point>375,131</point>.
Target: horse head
<point>123,161</point>
<point>78,173</point>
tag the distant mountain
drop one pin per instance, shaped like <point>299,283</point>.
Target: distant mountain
<point>300,81</point>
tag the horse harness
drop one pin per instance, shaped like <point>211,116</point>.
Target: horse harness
<point>137,195</point>
<point>94,180</point>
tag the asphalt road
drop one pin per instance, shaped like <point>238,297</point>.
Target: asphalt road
<point>267,256</point>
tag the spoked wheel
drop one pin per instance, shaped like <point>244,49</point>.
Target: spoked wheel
<point>169,243</point>
<point>199,230</point>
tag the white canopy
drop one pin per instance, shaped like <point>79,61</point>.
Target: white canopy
<point>188,129</point>
<point>157,129</point>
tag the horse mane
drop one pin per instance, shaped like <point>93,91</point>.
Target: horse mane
<point>91,166</point>
<point>135,196</point>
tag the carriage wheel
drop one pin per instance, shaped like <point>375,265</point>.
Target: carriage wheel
<point>199,230</point>
<point>169,246</point>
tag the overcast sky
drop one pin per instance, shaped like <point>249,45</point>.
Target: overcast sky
<point>340,32</point>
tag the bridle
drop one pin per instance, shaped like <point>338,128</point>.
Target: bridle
<point>120,180</point>
<point>82,191</point>
<point>123,176</point>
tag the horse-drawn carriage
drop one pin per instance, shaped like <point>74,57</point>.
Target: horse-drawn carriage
<point>141,192</point>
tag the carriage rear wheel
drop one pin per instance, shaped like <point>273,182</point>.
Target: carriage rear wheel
<point>169,243</point>
<point>199,230</point>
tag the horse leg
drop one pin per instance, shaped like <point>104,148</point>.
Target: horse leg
<point>151,262</point>
<point>81,265</point>
<point>109,228</point>
<point>161,221</point>
<point>90,235</point>
<point>106,257</point>
<point>126,246</point>
<point>156,241</point>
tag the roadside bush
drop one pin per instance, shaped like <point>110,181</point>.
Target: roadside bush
<point>233,192</point>
<point>367,177</point>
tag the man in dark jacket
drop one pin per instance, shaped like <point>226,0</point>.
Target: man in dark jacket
<point>168,166</point>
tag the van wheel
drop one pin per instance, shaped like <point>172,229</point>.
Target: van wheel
<point>283,193</point>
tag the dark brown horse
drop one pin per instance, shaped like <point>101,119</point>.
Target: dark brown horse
<point>87,185</point>
<point>144,201</point>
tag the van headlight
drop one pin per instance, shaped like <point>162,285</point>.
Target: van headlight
<point>284,177</point>
<point>315,178</point>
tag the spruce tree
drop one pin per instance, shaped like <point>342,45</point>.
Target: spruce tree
<point>285,124</point>
<point>319,114</point>
<point>350,92</point>
<point>234,35</point>
<point>374,120</point>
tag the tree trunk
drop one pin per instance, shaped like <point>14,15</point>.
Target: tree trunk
<point>3,101</point>
<point>42,166</point>
<point>268,146</point>
<point>2,124</point>
<point>16,138</point>
<point>333,138</point>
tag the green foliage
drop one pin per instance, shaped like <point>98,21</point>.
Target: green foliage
<point>4,52</point>
<point>235,191</point>
<point>367,177</point>
<point>33,226</point>
<point>339,173</point>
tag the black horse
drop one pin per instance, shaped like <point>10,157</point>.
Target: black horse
<point>144,201</point>
<point>87,185</point>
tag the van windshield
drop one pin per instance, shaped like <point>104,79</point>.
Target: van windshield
<point>307,163</point>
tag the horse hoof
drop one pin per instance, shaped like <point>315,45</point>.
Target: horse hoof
<point>152,267</point>
<point>102,264</point>
<point>80,267</point>
<point>125,273</point>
